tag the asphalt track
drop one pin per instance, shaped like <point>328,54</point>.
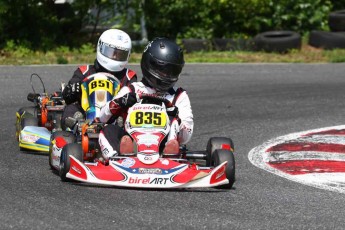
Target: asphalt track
<point>250,103</point>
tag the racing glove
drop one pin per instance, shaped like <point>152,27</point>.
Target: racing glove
<point>172,111</point>
<point>125,101</point>
<point>71,92</point>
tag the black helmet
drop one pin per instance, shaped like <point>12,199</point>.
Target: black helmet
<point>162,63</point>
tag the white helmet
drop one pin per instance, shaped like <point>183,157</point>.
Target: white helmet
<point>113,49</point>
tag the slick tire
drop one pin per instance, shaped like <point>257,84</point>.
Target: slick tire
<point>336,21</point>
<point>58,124</point>
<point>67,136</point>
<point>72,149</point>
<point>29,121</point>
<point>25,112</point>
<point>220,156</point>
<point>327,40</point>
<point>29,111</point>
<point>229,44</point>
<point>215,143</point>
<point>277,41</point>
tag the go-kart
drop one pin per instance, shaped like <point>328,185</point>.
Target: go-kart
<point>148,124</point>
<point>97,90</point>
<point>34,124</point>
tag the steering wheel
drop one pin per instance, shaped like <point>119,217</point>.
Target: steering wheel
<point>156,98</point>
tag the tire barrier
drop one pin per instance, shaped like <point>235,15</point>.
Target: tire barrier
<point>195,44</point>
<point>280,41</point>
<point>277,41</point>
<point>336,21</point>
<point>327,40</point>
<point>230,44</point>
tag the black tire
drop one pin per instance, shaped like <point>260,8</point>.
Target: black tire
<point>215,143</point>
<point>195,44</point>
<point>29,121</point>
<point>277,41</point>
<point>224,44</point>
<point>336,21</point>
<point>229,44</point>
<point>67,136</point>
<point>58,124</point>
<point>72,149</point>
<point>29,111</point>
<point>220,156</point>
<point>327,40</point>
<point>22,113</point>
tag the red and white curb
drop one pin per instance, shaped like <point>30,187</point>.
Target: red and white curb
<point>314,157</point>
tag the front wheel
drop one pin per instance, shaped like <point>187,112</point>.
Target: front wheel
<point>72,149</point>
<point>55,148</point>
<point>220,156</point>
<point>29,121</point>
<point>215,143</point>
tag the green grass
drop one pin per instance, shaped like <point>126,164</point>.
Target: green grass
<point>63,55</point>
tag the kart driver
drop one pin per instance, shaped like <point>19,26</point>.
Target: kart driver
<point>161,64</point>
<point>113,51</point>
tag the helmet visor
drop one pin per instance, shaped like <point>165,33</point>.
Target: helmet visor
<point>167,72</point>
<point>113,53</point>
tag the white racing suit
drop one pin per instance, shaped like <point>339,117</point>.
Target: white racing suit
<point>182,131</point>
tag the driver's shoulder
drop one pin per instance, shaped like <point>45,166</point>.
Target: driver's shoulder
<point>87,70</point>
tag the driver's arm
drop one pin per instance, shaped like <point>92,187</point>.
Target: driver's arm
<point>108,109</point>
<point>186,116</point>
<point>72,92</point>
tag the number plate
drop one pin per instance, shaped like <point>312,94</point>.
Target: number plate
<point>147,119</point>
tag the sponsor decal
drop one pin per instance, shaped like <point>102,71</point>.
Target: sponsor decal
<point>113,46</point>
<point>147,107</point>
<point>105,151</point>
<point>148,139</point>
<point>56,149</point>
<point>165,162</point>
<point>30,138</point>
<point>136,180</point>
<point>150,171</point>
<point>128,162</point>
<point>76,169</point>
<point>147,46</point>
<point>219,175</point>
<point>56,158</point>
<point>147,158</point>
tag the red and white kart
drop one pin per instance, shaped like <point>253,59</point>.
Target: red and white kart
<point>148,124</point>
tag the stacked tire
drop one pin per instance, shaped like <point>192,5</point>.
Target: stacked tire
<point>195,45</point>
<point>333,39</point>
<point>277,41</point>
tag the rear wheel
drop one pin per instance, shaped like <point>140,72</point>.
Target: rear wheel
<point>28,121</point>
<point>28,111</point>
<point>215,143</point>
<point>336,21</point>
<point>220,156</point>
<point>67,136</point>
<point>72,149</point>
<point>24,113</point>
<point>277,41</point>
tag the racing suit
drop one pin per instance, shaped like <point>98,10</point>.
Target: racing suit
<point>72,95</point>
<point>110,136</point>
